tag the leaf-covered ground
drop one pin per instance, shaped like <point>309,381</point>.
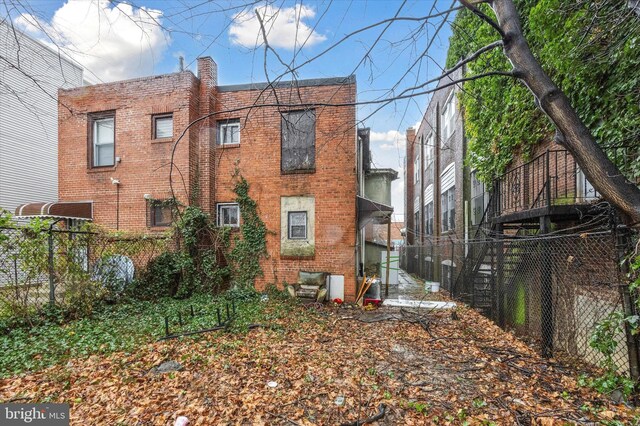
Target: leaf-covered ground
<point>423,369</point>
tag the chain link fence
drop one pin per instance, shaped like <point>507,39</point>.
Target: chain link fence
<point>42,267</point>
<point>551,291</point>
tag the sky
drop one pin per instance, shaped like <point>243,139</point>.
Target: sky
<point>115,41</point>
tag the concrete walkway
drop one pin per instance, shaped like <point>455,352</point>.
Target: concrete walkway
<point>411,293</point>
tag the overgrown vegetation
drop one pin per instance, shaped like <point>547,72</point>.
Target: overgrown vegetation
<point>126,326</point>
<point>589,48</point>
<point>92,266</point>
<point>249,250</point>
<point>605,337</point>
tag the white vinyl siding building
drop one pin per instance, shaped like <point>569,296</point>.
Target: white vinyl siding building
<point>29,118</point>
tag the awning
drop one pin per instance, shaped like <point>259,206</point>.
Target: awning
<point>62,209</point>
<point>371,211</point>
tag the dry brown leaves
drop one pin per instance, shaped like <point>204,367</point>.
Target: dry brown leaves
<point>462,371</point>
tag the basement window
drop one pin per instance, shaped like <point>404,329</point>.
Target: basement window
<point>297,225</point>
<point>163,126</point>
<point>228,214</point>
<point>298,139</point>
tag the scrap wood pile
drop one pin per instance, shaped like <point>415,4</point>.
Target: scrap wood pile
<point>320,369</point>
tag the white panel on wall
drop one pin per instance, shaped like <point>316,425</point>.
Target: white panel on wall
<point>448,177</point>
<point>428,194</point>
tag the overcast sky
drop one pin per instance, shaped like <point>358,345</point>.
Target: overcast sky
<point>118,41</point>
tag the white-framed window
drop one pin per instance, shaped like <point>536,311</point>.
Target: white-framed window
<point>162,126</point>
<point>428,149</point>
<point>297,225</point>
<point>416,169</point>
<point>228,214</point>
<point>448,116</point>
<point>479,199</point>
<point>103,140</point>
<point>228,132</point>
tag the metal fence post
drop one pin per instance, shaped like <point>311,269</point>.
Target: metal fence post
<point>499,275</point>
<point>52,288</point>
<point>52,284</point>
<point>452,270</point>
<point>546,297</point>
<point>624,246</point>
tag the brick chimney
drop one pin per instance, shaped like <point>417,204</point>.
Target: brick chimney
<point>208,71</point>
<point>208,76</point>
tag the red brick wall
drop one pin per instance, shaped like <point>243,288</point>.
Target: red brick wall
<point>333,184</point>
<point>409,184</point>
<point>144,167</point>
<point>144,162</point>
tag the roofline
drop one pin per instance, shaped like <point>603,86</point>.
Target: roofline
<point>133,80</point>
<point>312,82</point>
<point>59,54</point>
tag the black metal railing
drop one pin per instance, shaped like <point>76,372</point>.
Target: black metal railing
<point>552,178</point>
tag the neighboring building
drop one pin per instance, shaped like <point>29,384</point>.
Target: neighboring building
<point>116,143</point>
<point>30,76</point>
<point>436,170</point>
<point>375,208</point>
<point>437,187</point>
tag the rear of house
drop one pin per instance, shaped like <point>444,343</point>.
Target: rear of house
<point>117,141</point>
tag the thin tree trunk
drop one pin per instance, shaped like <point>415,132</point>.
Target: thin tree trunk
<point>575,136</point>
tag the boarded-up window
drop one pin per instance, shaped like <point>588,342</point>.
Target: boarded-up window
<point>298,141</point>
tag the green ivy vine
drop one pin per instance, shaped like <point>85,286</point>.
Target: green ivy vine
<point>249,250</point>
<point>590,49</point>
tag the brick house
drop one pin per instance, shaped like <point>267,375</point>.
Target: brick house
<point>116,143</point>
<point>439,196</point>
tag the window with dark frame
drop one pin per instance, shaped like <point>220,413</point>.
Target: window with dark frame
<point>160,214</point>
<point>448,203</point>
<point>102,139</point>
<point>297,224</point>
<point>298,141</point>
<point>228,214</point>
<point>228,132</point>
<point>163,126</point>
<point>428,219</point>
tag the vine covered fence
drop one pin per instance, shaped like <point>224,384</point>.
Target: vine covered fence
<point>561,293</point>
<point>42,268</point>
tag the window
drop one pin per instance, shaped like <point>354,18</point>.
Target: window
<point>228,132</point>
<point>228,214</point>
<point>416,169</point>
<point>297,225</point>
<point>103,140</point>
<point>448,117</point>
<point>428,219</point>
<point>161,215</point>
<point>448,203</point>
<point>479,201</point>
<point>298,141</point>
<point>163,126</point>
<point>428,158</point>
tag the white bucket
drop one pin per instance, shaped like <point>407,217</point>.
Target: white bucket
<point>435,287</point>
